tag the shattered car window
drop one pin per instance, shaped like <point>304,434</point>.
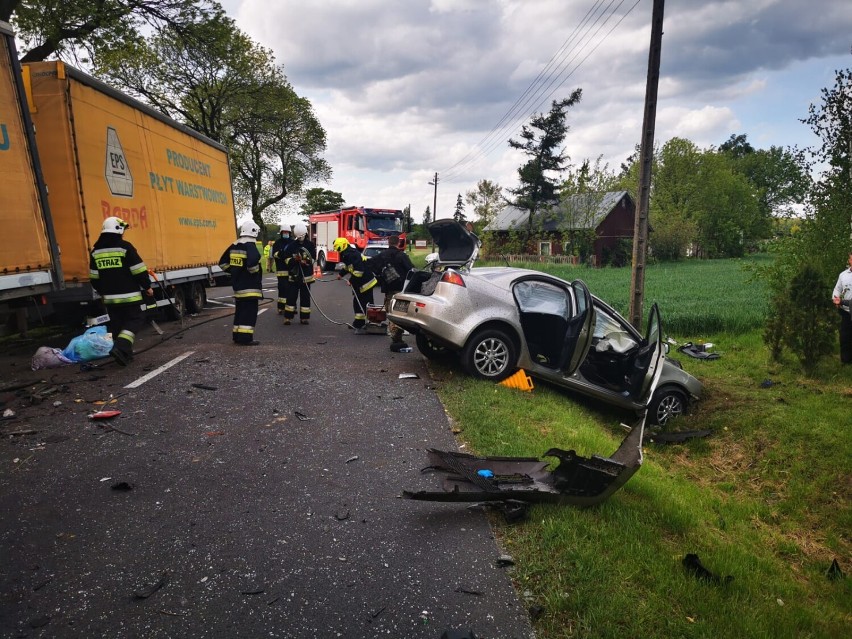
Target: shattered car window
<point>542,297</point>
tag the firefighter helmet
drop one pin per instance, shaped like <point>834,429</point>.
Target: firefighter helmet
<point>285,228</point>
<point>114,225</point>
<point>340,244</point>
<point>249,229</point>
<point>300,230</point>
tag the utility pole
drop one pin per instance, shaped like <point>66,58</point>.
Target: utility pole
<point>646,155</point>
<point>434,204</point>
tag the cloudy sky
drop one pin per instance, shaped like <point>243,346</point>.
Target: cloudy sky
<point>408,88</point>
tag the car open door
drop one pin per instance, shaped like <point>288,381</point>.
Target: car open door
<point>578,337</point>
<point>647,365</point>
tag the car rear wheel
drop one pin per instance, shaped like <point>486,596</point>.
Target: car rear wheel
<point>667,404</point>
<point>490,354</point>
<point>432,350</point>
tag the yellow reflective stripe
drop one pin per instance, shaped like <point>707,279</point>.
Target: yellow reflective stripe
<point>254,269</point>
<point>368,285</point>
<point>139,268</point>
<point>249,292</point>
<point>244,329</point>
<point>94,275</point>
<point>109,252</point>
<point>130,336</point>
<point>122,298</point>
<point>360,316</point>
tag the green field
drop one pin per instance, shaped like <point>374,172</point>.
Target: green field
<point>764,499</point>
<point>695,297</point>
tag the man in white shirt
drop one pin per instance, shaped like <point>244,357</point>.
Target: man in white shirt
<point>842,298</point>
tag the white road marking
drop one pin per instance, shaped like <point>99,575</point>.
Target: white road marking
<point>157,371</point>
<point>262,311</point>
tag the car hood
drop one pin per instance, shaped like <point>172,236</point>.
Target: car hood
<point>456,245</point>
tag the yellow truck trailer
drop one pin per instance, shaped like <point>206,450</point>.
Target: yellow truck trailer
<point>101,154</point>
<point>105,154</point>
<point>27,249</point>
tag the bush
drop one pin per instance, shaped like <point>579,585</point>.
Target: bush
<point>800,318</point>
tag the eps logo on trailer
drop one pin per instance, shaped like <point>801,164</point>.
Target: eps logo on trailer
<point>117,169</point>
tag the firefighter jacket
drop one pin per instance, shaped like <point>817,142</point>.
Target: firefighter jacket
<point>361,277</point>
<point>278,249</point>
<point>299,260</point>
<point>242,261</point>
<point>401,264</point>
<point>116,271</point>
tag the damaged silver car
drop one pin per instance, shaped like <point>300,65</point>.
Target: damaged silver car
<point>499,319</point>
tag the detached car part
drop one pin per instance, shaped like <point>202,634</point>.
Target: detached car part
<point>576,480</point>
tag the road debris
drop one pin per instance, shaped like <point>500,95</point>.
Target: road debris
<point>692,565</point>
<point>105,414</point>
<point>147,591</point>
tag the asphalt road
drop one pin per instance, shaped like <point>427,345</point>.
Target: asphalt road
<point>261,491</point>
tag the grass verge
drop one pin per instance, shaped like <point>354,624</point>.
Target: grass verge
<point>765,499</point>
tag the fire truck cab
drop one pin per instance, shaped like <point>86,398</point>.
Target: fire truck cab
<point>361,226</point>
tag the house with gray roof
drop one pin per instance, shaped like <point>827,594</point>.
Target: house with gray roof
<point>609,216</point>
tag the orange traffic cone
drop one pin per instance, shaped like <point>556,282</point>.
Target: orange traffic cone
<point>519,380</point>
<point>317,271</point>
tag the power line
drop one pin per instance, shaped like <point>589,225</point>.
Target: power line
<point>559,73</point>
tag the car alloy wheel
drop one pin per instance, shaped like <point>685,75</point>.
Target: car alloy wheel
<point>490,354</point>
<point>667,404</point>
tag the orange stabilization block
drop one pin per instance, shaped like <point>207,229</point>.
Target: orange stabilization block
<point>519,380</point>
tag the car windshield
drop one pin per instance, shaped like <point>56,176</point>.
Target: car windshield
<point>384,223</point>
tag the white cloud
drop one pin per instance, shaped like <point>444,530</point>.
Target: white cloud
<point>405,89</point>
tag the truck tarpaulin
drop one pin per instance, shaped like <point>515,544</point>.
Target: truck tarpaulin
<point>118,157</point>
<point>25,256</point>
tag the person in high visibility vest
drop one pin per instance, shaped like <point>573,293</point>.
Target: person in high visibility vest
<point>281,273</point>
<point>242,261</point>
<point>119,276</point>
<point>362,280</point>
<point>299,259</point>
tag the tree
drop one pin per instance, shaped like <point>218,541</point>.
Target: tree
<point>427,216</point>
<point>698,200</point>
<point>486,201</point>
<point>204,75</point>
<point>215,79</point>
<point>778,176</point>
<point>458,215</point>
<point>810,259</point>
<point>63,28</point>
<point>319,199</point>
<point>541,142</point>
<point>580,196</point>
<point>276,150</point>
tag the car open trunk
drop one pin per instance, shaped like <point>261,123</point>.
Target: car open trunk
<point>457,248</point>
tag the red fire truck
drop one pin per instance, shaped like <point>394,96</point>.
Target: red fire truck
<point>361,226</point>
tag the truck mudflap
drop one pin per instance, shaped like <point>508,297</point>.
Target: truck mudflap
<point>576,480</point>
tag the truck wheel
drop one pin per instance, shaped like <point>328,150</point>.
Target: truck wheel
<point>321,261</point>
<point>197,297</point>
<point>177,309</point>
<point>490,354</point>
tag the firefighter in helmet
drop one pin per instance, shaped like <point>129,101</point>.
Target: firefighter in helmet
<point>281,273</point>
<point>119,276</point>
<point>361,279</point>
<point>299,260</point>
<point>242,261</point>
